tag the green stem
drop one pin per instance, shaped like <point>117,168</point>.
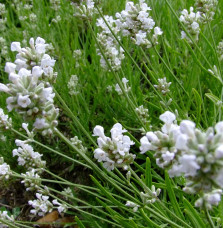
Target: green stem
<point>82,211</point>
<point>209,218</point>
<point>170,71</point>
<point>150,222</point>
<point>50,149</point>
<point>215,47</point>
<point>162,217</point>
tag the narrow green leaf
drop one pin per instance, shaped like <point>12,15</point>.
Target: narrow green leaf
<point>148,220</point>
<point>105,192</point>
<point>195,215</point>
<point>172,197</point>
<point>148,175</point>
<point>198,104</point>
<point>79,223</point>
<point>213,98</point>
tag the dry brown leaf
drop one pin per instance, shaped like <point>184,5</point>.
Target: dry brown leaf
<point>49,218</point>
<point>53,217</point>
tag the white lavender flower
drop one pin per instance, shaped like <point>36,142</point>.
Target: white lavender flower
<point>55,4</point>
<point>186,150</point>
<point>5,121</point>
<point>209,199</point>
<point>220,50</point>
<point>112,50</point>
<point>86,9</point>
<point>35,55</point>
<point>78,55</point>
<point>150,197</point>
<point>207,9</point>
<point>114,151</point>
<point>191,22</point>
<point>126,88</point>
<point>62,207</point>
<point>5,217</point>
<point>132,205</point>
<point>68,192</point>
<point>31,93</point>
<point>41,205</point>
<point>27,157</point>
<point>162,142</point>
<point>31,180</point>
<point>78,143</point>
<point>143,113</point>
<point>73,85</point>
<point>163,86</point>
<point>5,170</point>
<point>136,22</point>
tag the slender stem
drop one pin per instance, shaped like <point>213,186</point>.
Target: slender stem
<point>215,47</point>
<point>148,219</point>
<point>50,149</point>
<point>82,211</point>
<point>162,217</point>
<point>170,71</point>
<point>209,218</point>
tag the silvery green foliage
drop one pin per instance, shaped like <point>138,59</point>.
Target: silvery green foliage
<point>136,22</point>
<point>30,91</point>
<point>163,86</point>
<point>41,205</point>
<point>191,21</point>
<point>5,170</point>
<point>114,151</point>
<point>112,50</point>
<point>207,9</point>
<point>184,149</point>
<point>5,121</point>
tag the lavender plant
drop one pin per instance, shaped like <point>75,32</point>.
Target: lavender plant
<point>61,109</point>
